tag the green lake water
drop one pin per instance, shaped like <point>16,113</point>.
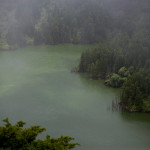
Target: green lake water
<point>36,86</point>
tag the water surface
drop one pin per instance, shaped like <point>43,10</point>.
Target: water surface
<point>36,86</point>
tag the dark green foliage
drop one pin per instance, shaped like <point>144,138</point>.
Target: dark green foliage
<point>97,62</point>
<point>123,71</point>
<point>116,80</point>
<point>136,91</point>
<point>110,57</point>
<point>126,48</point>
<point>15,137</point>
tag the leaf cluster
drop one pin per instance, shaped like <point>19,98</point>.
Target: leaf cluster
<point>15,137</point>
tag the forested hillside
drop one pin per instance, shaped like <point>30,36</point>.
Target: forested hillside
<point>29,22</point>
<point>123,59</point>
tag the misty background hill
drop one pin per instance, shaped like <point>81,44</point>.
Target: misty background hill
<point>35,22</point>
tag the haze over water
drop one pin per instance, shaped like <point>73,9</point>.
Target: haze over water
<point>36,86</point>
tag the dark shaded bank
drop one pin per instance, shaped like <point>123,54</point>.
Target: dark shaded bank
<point>119,106</point>
<point>125,108</point>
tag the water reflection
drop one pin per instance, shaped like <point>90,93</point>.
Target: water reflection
<point>135,117</point>
<point>115,106</point>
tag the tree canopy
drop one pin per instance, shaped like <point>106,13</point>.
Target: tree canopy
<point>16,137</point>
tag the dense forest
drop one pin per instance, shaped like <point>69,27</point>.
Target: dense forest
<point>35,22</point>
<point>123,58</point>
<point>29,22</point>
